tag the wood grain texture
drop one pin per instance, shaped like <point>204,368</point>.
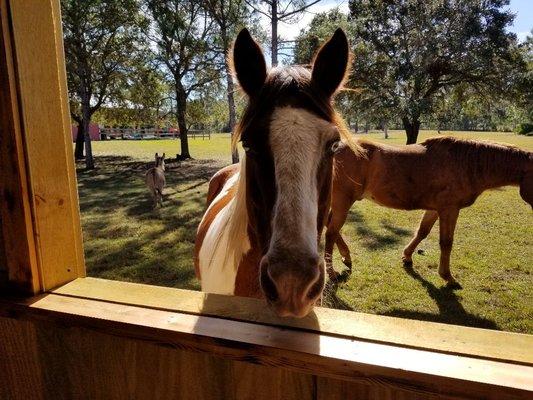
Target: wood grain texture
<point>42,95</point>
<point>68,363</point>
<point>395,368</point>
<point>453,339</point>
<point>18,244</point>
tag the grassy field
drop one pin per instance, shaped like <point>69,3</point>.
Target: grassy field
<point>125,239</point>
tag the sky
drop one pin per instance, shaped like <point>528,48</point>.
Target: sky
<point>523,23</point>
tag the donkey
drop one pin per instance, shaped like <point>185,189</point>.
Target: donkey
<point>441,175</point>
<point>155,179</point>
<point>258,236</point>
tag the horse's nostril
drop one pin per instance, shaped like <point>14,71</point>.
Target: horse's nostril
<point>268,285</point>
<point>315,289</point>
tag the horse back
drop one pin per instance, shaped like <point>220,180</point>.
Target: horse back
<point>217,181</point>
<point>155,179</point>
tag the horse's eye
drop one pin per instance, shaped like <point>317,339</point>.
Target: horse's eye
<point>247,148</point>
<point>333,146</point>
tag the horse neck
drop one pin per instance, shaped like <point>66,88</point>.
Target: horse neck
<point>501,167</point>
<point>356,166</point>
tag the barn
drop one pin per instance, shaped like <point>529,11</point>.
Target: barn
<point>94,131</point>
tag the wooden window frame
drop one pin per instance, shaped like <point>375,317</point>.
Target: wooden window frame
<point>43,248</point>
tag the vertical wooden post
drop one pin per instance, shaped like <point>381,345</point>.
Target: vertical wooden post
<point>18,244</point>
<point>32,46</point>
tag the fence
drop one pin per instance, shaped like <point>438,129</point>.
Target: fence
<point>128,133</point>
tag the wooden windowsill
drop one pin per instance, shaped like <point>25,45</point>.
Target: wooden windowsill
<point>416,355</point>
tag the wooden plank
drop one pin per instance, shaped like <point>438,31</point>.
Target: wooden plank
<point>56,363</point>
<point>43,98</point>
<point>20,376</point>
<point>18,244</point>
<point>453,339</point>
<point>304,352</point>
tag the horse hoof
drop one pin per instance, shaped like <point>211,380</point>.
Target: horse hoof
<point>333,275</point>
<point>345,275</point>
<point>407,263</point>
<point>347,262</point>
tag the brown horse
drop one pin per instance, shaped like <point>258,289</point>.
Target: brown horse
<point>155,180</point>
<point>441,175</point>
<point>258,237</point>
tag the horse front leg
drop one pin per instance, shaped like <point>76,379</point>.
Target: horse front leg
<point>426,224</point>
<point>336,220</point>
<point>344,250</point>
<point>448,221</point>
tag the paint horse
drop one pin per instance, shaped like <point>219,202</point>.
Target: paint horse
<point>258,237</point>
<point>441,175</point>
<point>155,180</point>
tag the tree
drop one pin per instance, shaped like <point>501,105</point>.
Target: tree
<point>99,38</point>
<point>409,52</point>
<point>184,35</point>
<point>320,29</point>
<point>279,10</point>
<point>146,92</point>
<point>230,16</point>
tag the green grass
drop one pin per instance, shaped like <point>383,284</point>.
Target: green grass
<point>217,148</point>
<point>492,256</point>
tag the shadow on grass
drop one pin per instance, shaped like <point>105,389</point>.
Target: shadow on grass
<point>153,246</point>
<point>330,298</point>
<point>373,240</point>
<point>451,311</point>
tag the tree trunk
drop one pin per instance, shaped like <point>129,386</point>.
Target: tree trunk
<point>274,48</point>
<point>80,139</point>
<point>86,120</point>
<point>411,129</point>
<point>231,98</point>
<point>386,129</point>
<point>181,109</point>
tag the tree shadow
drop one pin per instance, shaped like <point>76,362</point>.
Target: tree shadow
<point>451,311</point>
<point>373,240</point>
<point>330,297</point>
<point>153,246</point>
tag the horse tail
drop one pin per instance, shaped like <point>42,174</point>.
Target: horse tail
<point>526,187</point>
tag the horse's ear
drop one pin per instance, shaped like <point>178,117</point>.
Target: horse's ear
<point>163,156</point>
<point>331,64</point>
<point>248,63</point>
<point>156,155</point>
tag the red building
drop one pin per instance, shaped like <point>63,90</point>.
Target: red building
<point>94,131</point>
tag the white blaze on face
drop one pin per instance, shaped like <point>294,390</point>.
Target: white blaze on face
<point>298,141</point>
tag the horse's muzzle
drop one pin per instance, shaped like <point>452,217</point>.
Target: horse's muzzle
<point>292,285</point>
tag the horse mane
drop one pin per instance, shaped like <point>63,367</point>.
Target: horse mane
<point>287,81</point>
<point>232,225</point>
<point>481,156</point>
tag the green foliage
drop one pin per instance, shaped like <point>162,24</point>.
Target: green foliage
<point>321,28</point>
<point>100,38</point>
<point>184,39</point>
<point>410,52</point>
<point>525,129</point>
